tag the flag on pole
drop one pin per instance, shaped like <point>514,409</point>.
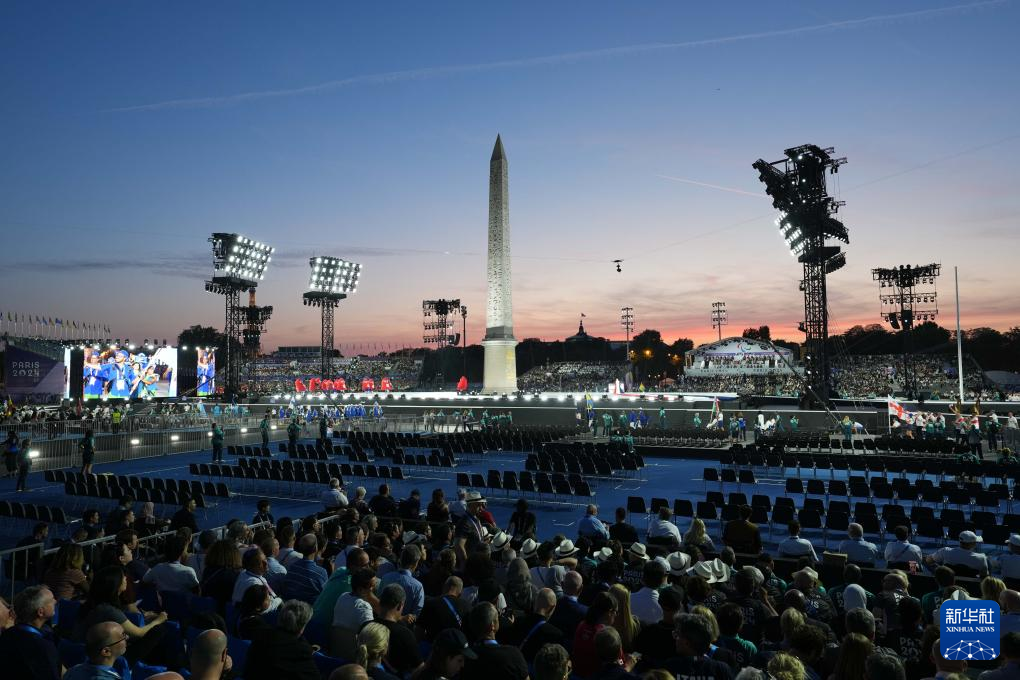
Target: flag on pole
<point>716,409</point>
<point>897,411</point>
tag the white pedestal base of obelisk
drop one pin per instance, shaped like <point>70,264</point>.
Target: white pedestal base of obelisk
<point>500,367</point>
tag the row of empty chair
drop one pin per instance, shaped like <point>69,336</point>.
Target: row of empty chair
<point>539,485</point>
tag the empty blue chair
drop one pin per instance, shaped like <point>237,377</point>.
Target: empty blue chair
<point>238,651</point>
<point>71,653</point>
<point>326,664</point>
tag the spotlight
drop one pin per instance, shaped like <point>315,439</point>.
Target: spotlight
<point>175,437</point>
<point>136,442</point>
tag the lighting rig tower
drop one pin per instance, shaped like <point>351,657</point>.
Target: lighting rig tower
<point>438,332</point>
<point>797,185</point>
<point>254,319</point>
<point>463,337</point>
<point>627,323</point>
<point>907,294</point>
<point>330,281</point>
<point>239,263</point>
<point>719,316</point>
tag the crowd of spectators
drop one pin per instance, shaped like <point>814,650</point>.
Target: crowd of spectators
<point>446,591</point>
<point>275,376</point>
<point>571,376</point>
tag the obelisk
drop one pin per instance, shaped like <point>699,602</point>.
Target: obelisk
<point>500,344</point>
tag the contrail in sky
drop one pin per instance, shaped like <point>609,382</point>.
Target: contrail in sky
<point>714,186</point>
<point>442,71</point>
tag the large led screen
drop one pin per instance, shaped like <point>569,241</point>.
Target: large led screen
<point>129,374</point>
<point>206,373</point>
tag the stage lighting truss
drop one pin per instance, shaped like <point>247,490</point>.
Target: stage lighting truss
<point>239,262</point>
<point>438,332</point>
<point>332,275</point>
<point>909,292</point>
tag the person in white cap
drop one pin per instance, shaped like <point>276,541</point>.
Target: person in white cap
<point>902,550</point>
<point>795,546</point>
<point>966,555</point>
<point>856,548</point>
<point>1009,564</point>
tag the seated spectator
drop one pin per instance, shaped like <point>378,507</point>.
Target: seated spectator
<point>352,611</point>
<point>857,549</point>
<point>410,556</point>
<point>104,604</point>
<point>601,613</point>
<point>339,582</point>
<point>731,621</point>
<point>90,522</point>
<point>655,642</point>
<point>569,611</point>
<point>522,522</point>
<point>1009,603</point>
<point>992,588</point>
<point>305,579</point>
<point>373,644</point>
<point>276,573</point>
<point>280,651</point>
<point>171,575</point>
<point>438,509</point>
<point>625,623</point>
<point>254,573</point>
<point>445,611</point>
<point>383,504</point>
<point>147,523</point>
<point>333,497</point>
<point>547,574</point>
<point>661,527</point>
<point>807,645</point>
<point>197,560</point>
<point>533,630</point>
<point>795,546</point>
<point>742,534</point>
<point>591,527</point>
<point>354,537</point>
<point>853,654</point>
<point>851,577</point>
<point>696,538</point>
<point>403,657</point>
<point>886,611</point>
<point>287,536</point>
<point>65,577</point>
<point>410,507</point>
<point>28,654</point>
<point>608,651</point>
<point>450,651</point>
<point>622,531</point>
<point>645,602</point>
<point>263,512</point>
<point>884,667</point>
<point>752,599</point>
<point>693,639</point>
<point>520,591</point>
<point>104,644</point>
<point>209,657</point>
<point>219,577</point>
<point>901,551</point>
<point>185,517</point>
<point>255,602</point>
<point>784,666</point>
<point>967,555</point>
<point>945,579</point>
<point>495,661</point>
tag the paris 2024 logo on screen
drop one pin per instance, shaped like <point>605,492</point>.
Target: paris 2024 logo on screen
<point>969,630</point>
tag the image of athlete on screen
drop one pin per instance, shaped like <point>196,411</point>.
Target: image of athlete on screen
<point>206,373</point>
<point>94,376</point>
<point>120,376</point>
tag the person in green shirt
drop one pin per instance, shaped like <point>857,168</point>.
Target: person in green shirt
<point>264,429</point>
<point>509,418</point>
<point>217,443</point>
<point>623,420</point>
<point>607,423</point>
<point>731,621</point>
<point>339,582</point>
<point>662,419</point>
<point>794,423</point>
<point>697,421</point>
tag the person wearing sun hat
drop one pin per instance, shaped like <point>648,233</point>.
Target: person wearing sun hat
<point>470,530</point>
<point>529,551</point>
<point>966,555</point>
<point>635,558</point>
<point>1009,564</point>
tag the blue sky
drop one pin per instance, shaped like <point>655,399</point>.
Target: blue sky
<point>133,130</point>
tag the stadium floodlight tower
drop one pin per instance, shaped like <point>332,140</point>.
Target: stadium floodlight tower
<point>239,263</point>
<point>330,281</point>
<point>797,185</point>
<point>907,294</point>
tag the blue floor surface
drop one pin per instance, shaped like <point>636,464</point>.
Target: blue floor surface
<point>668,478</point>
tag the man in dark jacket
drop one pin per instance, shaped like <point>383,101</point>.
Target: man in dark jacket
<point>27,649</point>
<point>495,661</point>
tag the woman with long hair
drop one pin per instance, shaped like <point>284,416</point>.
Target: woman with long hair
<point>601,613</point>
<point>625,623</point>
<point>65,576</point>
<point>785,666</point>
<point>697,537</point>
<point>520,591</point>
<point>103,604</point>
<point>991,588</point>
<point>222,566</point>
<point>522,522</point>
<point>853,653</point>
<point>373,644</point>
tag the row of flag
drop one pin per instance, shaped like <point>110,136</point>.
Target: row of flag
<point>18,317</point>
